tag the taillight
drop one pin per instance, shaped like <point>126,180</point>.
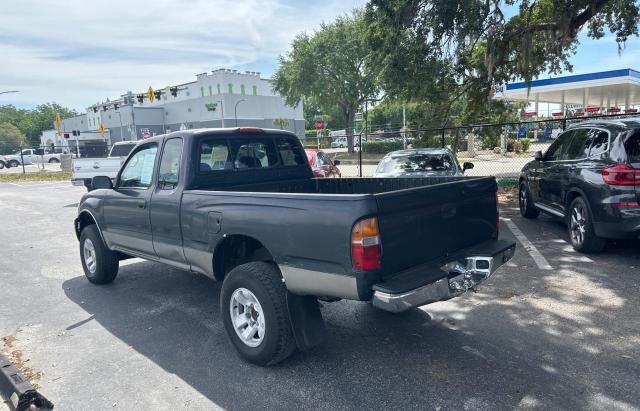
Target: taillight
<point>621,175</point>
<point>366,249</point>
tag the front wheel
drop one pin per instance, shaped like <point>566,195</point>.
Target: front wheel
<point>524,201</point>
<point>99,263</point>
<point>14,163</point>
<point>254,311</point>
<point>581,232</point>
<point>53,161</point>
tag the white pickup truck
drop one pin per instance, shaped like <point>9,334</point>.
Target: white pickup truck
<point>31,156</point>
<point>84,169</point>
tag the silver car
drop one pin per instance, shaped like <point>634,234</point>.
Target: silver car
<point>421,162</point>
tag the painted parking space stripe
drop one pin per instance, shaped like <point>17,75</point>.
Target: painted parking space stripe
<point>537,257</point>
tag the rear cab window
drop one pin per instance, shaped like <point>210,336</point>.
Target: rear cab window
<point>249,152</point>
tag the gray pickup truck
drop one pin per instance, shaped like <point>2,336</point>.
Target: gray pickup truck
<point>241,205</point>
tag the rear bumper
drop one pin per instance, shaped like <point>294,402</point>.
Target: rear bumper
<point>460,274</point>
<point>628,227</point>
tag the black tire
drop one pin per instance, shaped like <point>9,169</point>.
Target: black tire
<point>1,164</point>
<point>527,209</point>
<point>264,281</point>
<point>105,269</point>
<point>14,163</point>
<point>53,161</point>
<point>580,225</point>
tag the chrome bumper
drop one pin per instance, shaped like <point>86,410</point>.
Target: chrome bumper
<point>462,276</point>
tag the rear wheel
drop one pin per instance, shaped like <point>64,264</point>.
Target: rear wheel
<point>254,311</point>
<point>99,263</point>
<point>1,164</point>
<point>53,160</point>
<point>524,201</point>
<point>581,231</point>
<point>14,163</point>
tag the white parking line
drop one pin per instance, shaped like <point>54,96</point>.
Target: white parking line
<point>538,258</point>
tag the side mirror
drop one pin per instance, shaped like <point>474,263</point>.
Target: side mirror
<point>336,162</point>
<point>538,156</point>
<point>99,182</point>
<point>467,166</point>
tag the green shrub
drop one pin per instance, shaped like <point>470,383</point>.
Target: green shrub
<point>381,147</point>
<point>526,144</point>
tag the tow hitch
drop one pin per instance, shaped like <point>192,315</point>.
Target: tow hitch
<point>19,394</point>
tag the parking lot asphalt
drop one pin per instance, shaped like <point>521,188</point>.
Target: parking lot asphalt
<point>562,336</point>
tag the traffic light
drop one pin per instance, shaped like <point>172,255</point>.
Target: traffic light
<point>157,93</point>
<point>104,108</point>
<point>115,106</point>
<point>66,135</point>
<point>140,98</point>
<point>174,91</point>
<point>95,109</point>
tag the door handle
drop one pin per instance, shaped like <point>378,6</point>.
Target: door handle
<point>142,204</point>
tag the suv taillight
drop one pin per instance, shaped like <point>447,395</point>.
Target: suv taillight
<point>366,249</point>
<point>621,175</point>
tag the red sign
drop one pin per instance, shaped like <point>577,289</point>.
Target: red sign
<point>319,124</point>
<point>578,114</point>
<point>613,110</point>
<point>529,114</point>
<point>593,109</point>
<point>631,110</point>
<point>557,114</point>
<point>145,133</point>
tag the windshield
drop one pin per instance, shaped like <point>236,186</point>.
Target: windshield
<point>121,150</point>
<point>416,163</point>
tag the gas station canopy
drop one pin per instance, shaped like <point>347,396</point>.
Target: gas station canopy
<point>607,90</point>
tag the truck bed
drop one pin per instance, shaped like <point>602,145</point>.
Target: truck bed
<point>420,219</point>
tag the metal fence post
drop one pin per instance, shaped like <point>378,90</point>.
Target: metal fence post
<point>442,136</point>
<point>564,124</point>
<point>22,161</point>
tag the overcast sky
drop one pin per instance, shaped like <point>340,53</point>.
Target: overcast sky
<point>78,52</point>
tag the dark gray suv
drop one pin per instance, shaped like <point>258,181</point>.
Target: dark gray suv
<point>590,177</point>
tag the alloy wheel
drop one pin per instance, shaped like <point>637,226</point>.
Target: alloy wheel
<point>578,224</point>
<point>247,317</point>
<point>89,251</point>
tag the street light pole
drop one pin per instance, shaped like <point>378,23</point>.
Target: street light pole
<point>236,110</point>
<point>221,112</point>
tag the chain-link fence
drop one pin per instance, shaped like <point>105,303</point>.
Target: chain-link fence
<point>499,150</point>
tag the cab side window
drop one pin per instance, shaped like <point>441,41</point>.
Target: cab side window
<point>578,146</point>
<point>170,164</point>
<point>600,143</point>
<point>558,148</point>
<point>138,171</point>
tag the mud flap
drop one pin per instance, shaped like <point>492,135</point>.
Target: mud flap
<point>306,321</point>
<point>19,394</point>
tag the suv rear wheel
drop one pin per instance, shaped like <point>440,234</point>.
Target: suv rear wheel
<point>524,201</point>
<point>581,231</point>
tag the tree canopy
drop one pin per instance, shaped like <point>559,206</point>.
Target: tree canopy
<point>11,138</point>
<point>330,67</point>
<point>32,123</point>
<point>443,50</point>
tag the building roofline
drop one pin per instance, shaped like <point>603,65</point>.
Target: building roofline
<point>574,79</point>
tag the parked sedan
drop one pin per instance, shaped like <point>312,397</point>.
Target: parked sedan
<point>420,163</point>
<point>322,165</point>
<point>590,178</point>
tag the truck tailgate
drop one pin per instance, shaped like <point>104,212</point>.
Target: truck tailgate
<point>421,224</point>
